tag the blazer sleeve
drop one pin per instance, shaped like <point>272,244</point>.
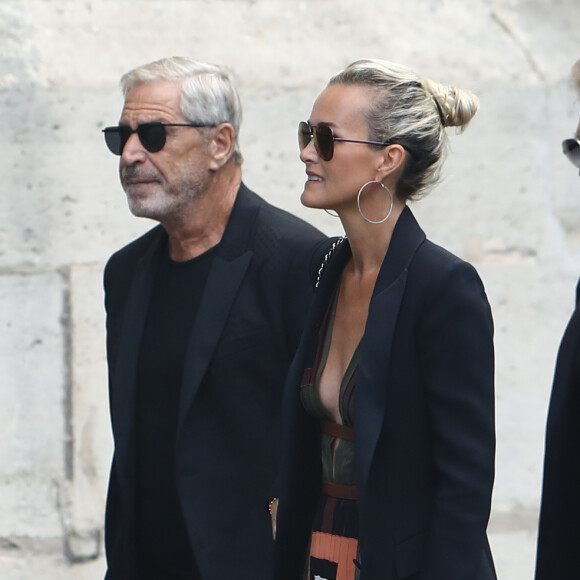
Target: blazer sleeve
<point>117,280</point>
<point>457,362</point>
<point>558,530</point>
<point>112,323</point>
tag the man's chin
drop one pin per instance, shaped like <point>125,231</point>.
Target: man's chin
<point>140,209</point>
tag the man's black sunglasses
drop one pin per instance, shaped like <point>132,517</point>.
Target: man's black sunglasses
<point>571,148</point>
<point>324,139</point>
<point>152,135</point>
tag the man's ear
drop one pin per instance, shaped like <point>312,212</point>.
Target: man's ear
<point>391,161</point>
<point>222,145</point>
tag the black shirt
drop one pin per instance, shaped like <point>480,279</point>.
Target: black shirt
<point>162,540</point>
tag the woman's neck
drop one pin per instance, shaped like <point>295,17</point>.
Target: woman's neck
<point>369,242</point>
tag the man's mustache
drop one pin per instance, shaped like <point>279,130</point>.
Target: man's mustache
<point>135,173</point>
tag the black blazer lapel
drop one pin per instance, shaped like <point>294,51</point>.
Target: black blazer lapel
<point>233,257</point>
<point>123,390</point>
<point>375,352</point>
<point>224,280</point>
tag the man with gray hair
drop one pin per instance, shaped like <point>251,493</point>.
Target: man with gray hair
<point>204,313</point>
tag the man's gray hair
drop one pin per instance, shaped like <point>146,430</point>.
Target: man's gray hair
<point>208,93</point>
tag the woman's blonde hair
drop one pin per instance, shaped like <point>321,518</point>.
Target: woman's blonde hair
<point>412,112</point>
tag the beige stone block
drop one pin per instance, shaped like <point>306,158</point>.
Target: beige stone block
<point>514,554</point>
<point>32,415</point>
<point>91,444</point>
<point>32,562</point>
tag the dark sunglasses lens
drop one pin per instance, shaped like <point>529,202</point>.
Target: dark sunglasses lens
<point>571,149</point>
<point>152,136</point>
<point>113,139</point>
<point>324,142</point>
<point>304,135</point>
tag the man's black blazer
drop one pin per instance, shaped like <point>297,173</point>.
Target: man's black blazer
<point>558,553</point>
<point>423,421</point>
<point>242,341</point>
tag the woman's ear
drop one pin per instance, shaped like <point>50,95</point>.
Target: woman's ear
<point>222,145</point>
<point>392,159</point>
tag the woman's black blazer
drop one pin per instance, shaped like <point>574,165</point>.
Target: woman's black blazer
<point>423,421</point>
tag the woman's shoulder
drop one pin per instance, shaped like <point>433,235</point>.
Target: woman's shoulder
<point>436,260</point>
<point>436,268</point>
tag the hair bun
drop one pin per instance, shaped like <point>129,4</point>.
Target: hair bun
<point>456,106</point>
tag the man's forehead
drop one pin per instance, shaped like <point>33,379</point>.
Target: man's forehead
<point>153,99</point>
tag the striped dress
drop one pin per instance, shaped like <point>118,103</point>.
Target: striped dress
<point>334,539</point>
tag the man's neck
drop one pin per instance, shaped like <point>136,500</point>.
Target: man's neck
<point>206,217</point>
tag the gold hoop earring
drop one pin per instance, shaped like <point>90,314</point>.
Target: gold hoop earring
<point>364,217</point>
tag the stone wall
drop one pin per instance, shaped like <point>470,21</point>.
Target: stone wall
<point>509,203</point>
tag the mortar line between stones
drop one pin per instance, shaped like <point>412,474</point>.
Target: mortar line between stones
<point>519,43</point>
<point>66,322</point>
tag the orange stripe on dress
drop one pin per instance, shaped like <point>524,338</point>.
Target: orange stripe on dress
<point>341,551</point>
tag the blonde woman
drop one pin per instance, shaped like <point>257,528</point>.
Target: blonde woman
<point>388,456</point>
